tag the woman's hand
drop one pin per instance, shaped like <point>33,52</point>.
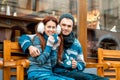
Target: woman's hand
<point>34,52</point>
<point>50,41</point>
<point>57,44</point>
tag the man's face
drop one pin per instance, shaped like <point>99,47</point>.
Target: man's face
<point>66,26</point>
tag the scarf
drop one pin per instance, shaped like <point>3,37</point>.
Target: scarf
<point>68,40</point>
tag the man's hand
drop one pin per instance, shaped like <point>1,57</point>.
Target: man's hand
<point>74,63</point>
<point>34,52</point>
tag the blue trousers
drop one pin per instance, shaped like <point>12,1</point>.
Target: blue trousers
<point>37,76</point>
<point>79,75</point>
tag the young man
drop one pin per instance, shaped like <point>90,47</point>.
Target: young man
<point>72,61</point>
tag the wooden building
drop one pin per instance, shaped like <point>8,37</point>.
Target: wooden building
<point>96,21</point>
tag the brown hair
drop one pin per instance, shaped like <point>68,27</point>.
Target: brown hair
<point>60,50</point>
<point>43,42</point>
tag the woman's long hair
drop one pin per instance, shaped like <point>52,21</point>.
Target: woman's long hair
<point>42,40</point>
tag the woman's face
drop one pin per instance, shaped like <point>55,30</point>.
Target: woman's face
<point>66,26</point>
<point>50,28</point>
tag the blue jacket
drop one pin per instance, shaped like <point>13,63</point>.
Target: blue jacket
<point>74,52</point>
<point>42,64</point>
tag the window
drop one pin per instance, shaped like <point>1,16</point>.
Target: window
<point>103,25</point>
<point>38,8</point>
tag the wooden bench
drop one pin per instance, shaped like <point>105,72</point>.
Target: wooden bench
<point>1,64</point>
<point>99,66</point>
<point>112,58</point>
<point>14,58</point>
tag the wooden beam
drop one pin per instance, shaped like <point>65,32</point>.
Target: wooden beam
<point>82,27</point>
<point>29,4</point>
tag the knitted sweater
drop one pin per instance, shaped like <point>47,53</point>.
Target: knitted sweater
<point>74,52</point>
<point>44,62</point>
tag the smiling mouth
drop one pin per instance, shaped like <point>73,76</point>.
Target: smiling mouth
<point>65,31</point>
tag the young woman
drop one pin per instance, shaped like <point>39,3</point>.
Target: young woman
<point>46,41</point>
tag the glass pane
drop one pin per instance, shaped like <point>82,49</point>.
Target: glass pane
<point>103,25</point>
<point>39,8</point>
